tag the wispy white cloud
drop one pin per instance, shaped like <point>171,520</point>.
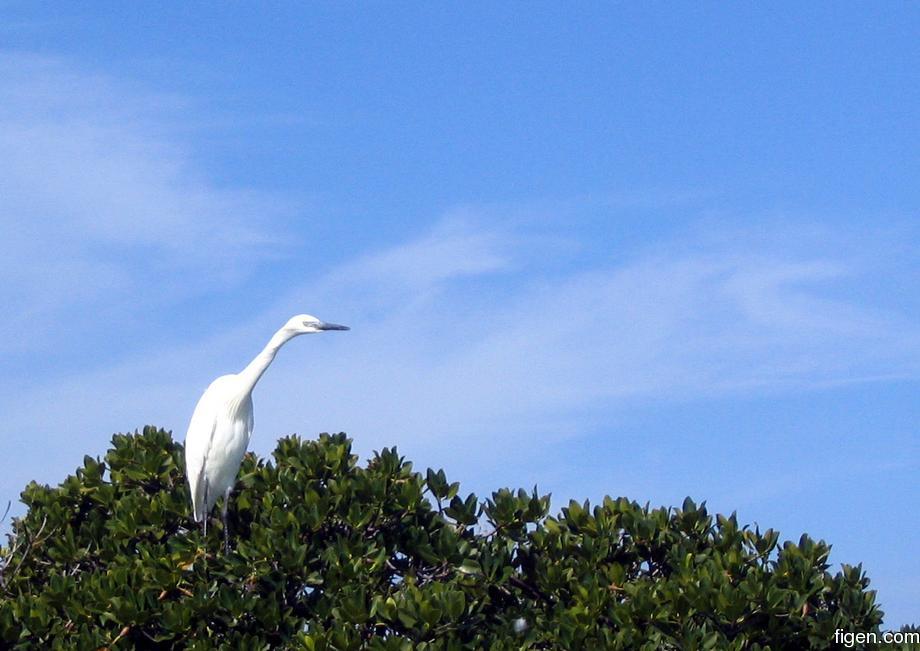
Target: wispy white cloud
<point>445,345</point>
<point>103,211</point>
<point>105,214</point>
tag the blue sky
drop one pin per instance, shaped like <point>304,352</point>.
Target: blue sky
<point>649,251</point>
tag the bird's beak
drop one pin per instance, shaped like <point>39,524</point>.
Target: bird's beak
<point>332,326</point>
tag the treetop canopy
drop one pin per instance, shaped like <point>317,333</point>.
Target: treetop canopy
<point>330,554</point>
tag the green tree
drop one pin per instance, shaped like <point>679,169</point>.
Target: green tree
<point>328,554</point>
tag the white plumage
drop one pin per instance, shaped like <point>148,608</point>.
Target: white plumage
<point>221,425</point>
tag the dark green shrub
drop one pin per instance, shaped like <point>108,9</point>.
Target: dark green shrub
<point>330,555</point>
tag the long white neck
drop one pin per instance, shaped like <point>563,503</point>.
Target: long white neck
<point>251,374</point>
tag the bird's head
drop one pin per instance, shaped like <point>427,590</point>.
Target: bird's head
<point>303,324</point>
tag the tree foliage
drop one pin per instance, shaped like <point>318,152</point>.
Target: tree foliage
<point>329,554</point>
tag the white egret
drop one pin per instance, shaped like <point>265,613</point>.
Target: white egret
<point>221,425</point>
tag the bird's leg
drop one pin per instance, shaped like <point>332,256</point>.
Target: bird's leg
<point>224,515</point>
<point>204,520</point>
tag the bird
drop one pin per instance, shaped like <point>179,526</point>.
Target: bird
<point>221,425</point>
